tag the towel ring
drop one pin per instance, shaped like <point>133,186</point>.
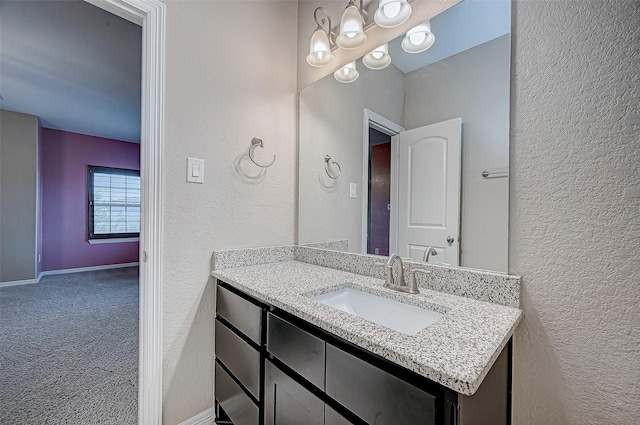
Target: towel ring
<point>255,142</point>
<point>330,171</point>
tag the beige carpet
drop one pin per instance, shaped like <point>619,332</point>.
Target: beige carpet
<point>69,349</point>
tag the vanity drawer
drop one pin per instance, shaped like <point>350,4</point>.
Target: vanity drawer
<point>241,313</point>
<point>238,406</point>
<point>288,403</point>
<point>375,395</point>
<point>301,351</point>
<point>239,357</point>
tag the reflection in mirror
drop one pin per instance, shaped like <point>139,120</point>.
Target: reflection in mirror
<point>413,140</point>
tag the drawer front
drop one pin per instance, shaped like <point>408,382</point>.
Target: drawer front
<point>287,402</point>
<point>375,395</point>
<point>242,314</point>
<point>234,401</point>
<point>301,351</point>
<point>239,357</point>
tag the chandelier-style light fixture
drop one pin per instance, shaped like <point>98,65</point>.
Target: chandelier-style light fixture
<point>389,14</point>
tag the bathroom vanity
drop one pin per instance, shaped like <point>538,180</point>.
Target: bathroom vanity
<point>282,357</point>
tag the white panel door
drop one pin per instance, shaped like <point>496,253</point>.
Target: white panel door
<point>428,203</point>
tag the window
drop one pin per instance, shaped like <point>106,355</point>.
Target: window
<point>114,203</point>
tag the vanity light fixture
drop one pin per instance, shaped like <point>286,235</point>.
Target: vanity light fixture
<point>419,38</point>
<point>392,13</point>
<point>351,28</point>
<point>320,46</point>
<point>347,74</point>
<point>378,58</point>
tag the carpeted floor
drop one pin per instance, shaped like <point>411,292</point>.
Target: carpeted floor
<point>69,349</point>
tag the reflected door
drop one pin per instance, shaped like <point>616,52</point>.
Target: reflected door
<point>429,174</point>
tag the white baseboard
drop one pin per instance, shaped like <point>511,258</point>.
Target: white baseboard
<point>206,417</point>
<point>65,271</point>
<point>89,269</point>
<point>21,282</point>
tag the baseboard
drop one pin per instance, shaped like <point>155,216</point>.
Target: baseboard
<point>65,271</point>
<point>21,282</point>
<point>89,269</point>
<point>206,417</point>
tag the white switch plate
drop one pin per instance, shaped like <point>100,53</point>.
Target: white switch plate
<point>195,170</point>
<point>352,190</point>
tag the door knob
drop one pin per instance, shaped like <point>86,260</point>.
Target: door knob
<point>450,239</point>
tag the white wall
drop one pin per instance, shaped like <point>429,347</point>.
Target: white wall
<point>18,195</point>
<point>473,85</point>
<point>230,76</point>
<point>331,123</point>
<point>575,211</point>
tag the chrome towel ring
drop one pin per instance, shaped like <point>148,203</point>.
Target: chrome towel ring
<point>329,170</point>
<point>255,142</point>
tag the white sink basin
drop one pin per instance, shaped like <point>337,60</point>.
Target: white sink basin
<point>401,317</point>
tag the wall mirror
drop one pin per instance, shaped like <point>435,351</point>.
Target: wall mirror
<point>416,154</point>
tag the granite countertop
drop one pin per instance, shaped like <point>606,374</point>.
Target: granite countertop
<point>456,351</point>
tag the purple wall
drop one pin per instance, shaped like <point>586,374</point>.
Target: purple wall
<point>65,157</point>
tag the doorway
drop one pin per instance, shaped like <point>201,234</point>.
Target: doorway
<point>379,193</point>
<point>379,172</point>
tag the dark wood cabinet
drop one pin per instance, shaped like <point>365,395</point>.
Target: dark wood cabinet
<point>273,368</point>
<point>286,402</point>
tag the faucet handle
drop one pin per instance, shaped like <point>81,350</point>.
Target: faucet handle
<point>388,281</point>
<point>413,283</point>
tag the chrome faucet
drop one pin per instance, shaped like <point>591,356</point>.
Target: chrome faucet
<point>401,284</point>
<point>428,252</point>
<point>389,282</point>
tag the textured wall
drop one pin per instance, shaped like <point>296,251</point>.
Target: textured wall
<point>65,190</point>
<point>230,76</point>
<point>575,211</point>
<point>18,195</point>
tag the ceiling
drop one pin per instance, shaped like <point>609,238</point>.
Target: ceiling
<point>72,64</point>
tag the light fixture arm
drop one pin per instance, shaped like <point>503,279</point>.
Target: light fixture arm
<point>363,13</point>
<point>361,9</point>
<point>322,21</point>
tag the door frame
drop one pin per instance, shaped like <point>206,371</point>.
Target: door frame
<point>388,127</point>
<point>150,15</point>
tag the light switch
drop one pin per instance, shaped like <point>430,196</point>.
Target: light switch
<point>352,190</point>
<point>195,170</point>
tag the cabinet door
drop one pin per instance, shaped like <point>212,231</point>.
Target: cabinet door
<point>287,402</point>
<point>331,417</point>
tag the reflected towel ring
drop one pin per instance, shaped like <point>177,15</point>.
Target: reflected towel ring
<point>258,142</point>
<point>330,171</point>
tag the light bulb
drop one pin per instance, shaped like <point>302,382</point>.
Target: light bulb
<point>319,49</point>
<point>378,58</point>
<point>351,34</point>
<point>391,13</point>
<point>419,38</point>
<point>347,74</point>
